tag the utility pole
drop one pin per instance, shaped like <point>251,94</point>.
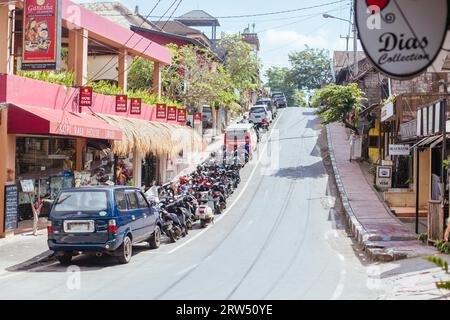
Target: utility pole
<point>355,43</point>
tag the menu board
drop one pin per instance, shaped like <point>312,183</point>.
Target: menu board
<point>11,207</point>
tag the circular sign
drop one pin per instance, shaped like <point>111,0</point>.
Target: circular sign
<point>402,38</point>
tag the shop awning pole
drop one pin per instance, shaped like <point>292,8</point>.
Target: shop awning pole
<point>417,188</point>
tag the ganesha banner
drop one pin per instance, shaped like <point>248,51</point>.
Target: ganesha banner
<point>41,35</point>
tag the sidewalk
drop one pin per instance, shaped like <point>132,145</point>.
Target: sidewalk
<point>381,234</point>
<point>23,250</point>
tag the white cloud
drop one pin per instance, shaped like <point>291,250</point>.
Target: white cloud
<point>292,40</point>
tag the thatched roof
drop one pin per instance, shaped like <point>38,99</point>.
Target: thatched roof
<point>150,137</point>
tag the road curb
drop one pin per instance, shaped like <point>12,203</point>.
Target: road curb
<point>356,229</point>
<point>41,258</point>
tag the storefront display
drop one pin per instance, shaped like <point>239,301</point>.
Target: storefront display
<point>124,171</point>
<point>98,164</point>
<point>46,163</point>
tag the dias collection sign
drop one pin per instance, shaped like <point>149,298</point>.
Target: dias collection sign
<point>402,38</point>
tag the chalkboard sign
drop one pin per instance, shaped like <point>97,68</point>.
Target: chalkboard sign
<point>11,207</point>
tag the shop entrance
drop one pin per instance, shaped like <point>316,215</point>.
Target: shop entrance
<point>47,163</point>
<point>150,172</point>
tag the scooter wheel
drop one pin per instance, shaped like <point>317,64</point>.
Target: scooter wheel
<point>202,223</point>
<point>189,225</point>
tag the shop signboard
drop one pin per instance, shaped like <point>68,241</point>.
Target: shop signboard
<point>11,207</point>
<point>41,47</point>
<point>387,111</point>
<point>136,106</point>
<point>399,150</point>
<point>181,116</point>
<point>384,176</point>
<point>172,113</point>
<point>161,111</point>
<point>85,97</point>
<point>121,103</point>
<point>27,186</point>
<point>408,130</point>
<point>397,36</point>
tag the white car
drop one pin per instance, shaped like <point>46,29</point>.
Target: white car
<point>260,112</point>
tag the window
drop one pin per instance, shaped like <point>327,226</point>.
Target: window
<point>373,142</point>
<point>81,201</point>
<point>258,110</point>
<point>141,201</point>
<point>119,195</point>
<point>132,201</point>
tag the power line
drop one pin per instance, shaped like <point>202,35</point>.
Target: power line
<point>148,46</point>
<point>259,14</point>
<point>308,17</point>
<point>128,40</point>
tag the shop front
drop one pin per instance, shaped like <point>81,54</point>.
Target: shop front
<point>52,150</point>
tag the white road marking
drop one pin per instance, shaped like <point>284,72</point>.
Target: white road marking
<point>186,270</point>
<point>340,287</point>
<point>237,198</point>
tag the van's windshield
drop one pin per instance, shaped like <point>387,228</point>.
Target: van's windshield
<point>75,201</point>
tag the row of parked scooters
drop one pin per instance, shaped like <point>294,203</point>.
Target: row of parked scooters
<point>195,198</point>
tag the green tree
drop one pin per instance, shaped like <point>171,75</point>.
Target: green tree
<point>337,103</point>
<point>140,75</point>
<point>276,78</point>
<point>299,99</point>
<point>241,64</point>
<point>311,69</point>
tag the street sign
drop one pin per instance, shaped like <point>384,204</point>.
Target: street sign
<point>121,103</point>
<point>402,38</point>
<point>399,150</point>
<point>387,111</point>
<point>172,113</point>
<point>181,115</point>
<point>85,97</point>
<point>135,106</point>
<point>384,176</point>
<point>161,111</point>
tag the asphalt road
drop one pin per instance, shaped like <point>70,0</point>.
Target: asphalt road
<point>281,238</point>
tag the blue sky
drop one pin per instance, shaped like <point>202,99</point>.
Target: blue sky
<point>279,34</point>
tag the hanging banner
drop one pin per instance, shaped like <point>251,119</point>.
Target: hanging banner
<point>402,38</point>
<point>172,113</point>
<point>41,47</point>
<point>121,103</point>
<point>136,106</point>
<point>161,111</point>
<point>85,97</point>
<point>198,116</point>
<point>181,116</point>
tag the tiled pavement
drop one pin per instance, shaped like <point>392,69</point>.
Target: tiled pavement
<point>383,236</point>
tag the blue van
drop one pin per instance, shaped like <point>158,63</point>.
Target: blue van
<point>103,220</point>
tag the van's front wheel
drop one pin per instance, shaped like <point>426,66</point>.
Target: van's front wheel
<point>125,251</point>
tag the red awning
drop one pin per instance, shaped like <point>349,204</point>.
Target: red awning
<point>44,121</point>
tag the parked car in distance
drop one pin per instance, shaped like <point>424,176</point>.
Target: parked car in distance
<point>207,117</point>
<point>101,220</point>
<point>279,99</point>
<point>258,113</point>
<point>270,106</point>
